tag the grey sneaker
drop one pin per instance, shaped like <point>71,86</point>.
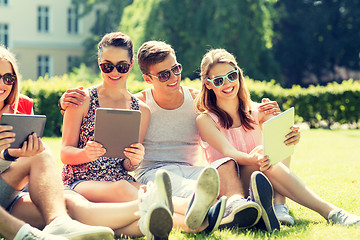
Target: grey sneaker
<point>282,213</point>
<point>241,213</point>
<point>340,216</point>
<point>74,230</point>
<point>36,234</point>
<point>206,192</point>
<point>261,191</point>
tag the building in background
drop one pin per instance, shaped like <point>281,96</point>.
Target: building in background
<point>47,36</point>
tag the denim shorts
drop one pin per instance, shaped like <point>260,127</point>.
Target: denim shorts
<point>183,177</point>
<point>8,195</point>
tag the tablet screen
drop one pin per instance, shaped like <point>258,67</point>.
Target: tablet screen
<point>116,129</point>
<point>23,126</point>
<point>274,132</point>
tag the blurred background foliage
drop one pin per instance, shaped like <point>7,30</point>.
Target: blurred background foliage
<point>301,53</point>
<point>300,42</point>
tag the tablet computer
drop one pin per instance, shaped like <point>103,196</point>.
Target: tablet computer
<point>116,129</point>
<point>23,126</point>
<point>274,131</point>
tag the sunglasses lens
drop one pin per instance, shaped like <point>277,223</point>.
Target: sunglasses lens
<point>106,67</point>
<point>164,76</point>
<point>123,67</point>
<point>233,76</point>
<point>9,78</point>
<point>177,69</point>
<point>218,81</point>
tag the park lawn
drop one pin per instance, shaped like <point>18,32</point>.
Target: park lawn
<point>328,162</point>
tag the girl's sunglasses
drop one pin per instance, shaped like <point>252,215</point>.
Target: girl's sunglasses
<point>120,67</point>
<point>165,75</point>
<point>220,80</point>
<point>8,78</point>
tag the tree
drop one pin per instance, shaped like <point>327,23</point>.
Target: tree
<point>108,17</point>
<point>314,38</point>
<point>193,26</point>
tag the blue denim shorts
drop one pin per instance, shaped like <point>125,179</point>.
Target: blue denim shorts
<point>8,195</point>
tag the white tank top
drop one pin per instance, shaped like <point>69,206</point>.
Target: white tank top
<point>172,135</point>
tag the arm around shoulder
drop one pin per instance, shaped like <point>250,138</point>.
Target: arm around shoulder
<point>70,153</point>
<point>145,119</point>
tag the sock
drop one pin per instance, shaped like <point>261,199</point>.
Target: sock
<point>233,198</point>
<point>25,229</point>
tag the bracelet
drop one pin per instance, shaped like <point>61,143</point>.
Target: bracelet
<point>129,165</point>
<point>8,157</point>
<point>59,105</point>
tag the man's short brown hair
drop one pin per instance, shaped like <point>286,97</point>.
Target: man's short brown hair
<point>153,52</point>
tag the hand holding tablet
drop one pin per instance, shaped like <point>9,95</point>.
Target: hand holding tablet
<point>274,132</point>
<point>116,129</point>
<point>23,126</point>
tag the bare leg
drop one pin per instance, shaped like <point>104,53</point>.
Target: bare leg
<point>113,215</point>
<point>289,185</point>
<point>245,173</point>
<point>101,191</point>
<point>230,183</point>
<point>9,225</point>
<point>278,198</point>
<point>26,210</point>
<point>45,185</point>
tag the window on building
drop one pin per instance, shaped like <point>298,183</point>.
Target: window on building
<point>43,19</point>
<point>4,2</point>
<point>73,20</point>
<point>44,66</point>
<point>72,61</point>
<point>4,34</point>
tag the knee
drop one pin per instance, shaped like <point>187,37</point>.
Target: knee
<point>122,187</point>
<point>228,166</point>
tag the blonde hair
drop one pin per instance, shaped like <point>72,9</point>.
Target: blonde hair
<point>13,98</point>
<point>206,100</point>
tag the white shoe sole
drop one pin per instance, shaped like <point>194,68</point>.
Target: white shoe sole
<point>206,192</point>
<point>163,184</point>
<point>91,236</point>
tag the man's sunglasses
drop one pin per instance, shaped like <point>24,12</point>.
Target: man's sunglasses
<point>8,78</point>
<point>165,75</point>
<point>220,80</point>
<point>120,67</point>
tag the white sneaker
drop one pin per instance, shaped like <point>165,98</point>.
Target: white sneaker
<point>155,216</point>
<point>32,233</point>
<point>206,192</point>
<point>74,230</point>
<point>156,222</point>
<point>341,217</point>
<point>282,213</point>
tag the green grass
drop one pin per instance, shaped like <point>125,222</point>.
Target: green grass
<point>328,161</point>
